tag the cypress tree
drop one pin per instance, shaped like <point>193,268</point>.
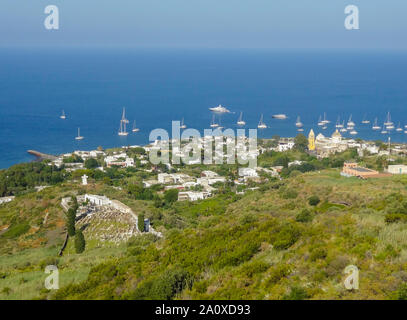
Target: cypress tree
<point>141,222</point>
<point>79,242</point>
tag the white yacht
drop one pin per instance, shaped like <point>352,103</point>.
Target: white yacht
<point>135,129</point>
<point>63,116</point>
<point>219,109</point>
<point>280,116</point>
<point>123,122</point>
<point>183,126</point>
<point>261,124</point>
<point>298,123</point>
<point>353,132</point>
<point>375,126</point>
<point>300,130</point>
<point>240,121</point>
<point>79,137</point>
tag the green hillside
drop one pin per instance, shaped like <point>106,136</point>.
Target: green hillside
<point>289,239</point>
<point>269,244</point>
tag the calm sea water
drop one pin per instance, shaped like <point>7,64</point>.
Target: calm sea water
<point>157,86</point>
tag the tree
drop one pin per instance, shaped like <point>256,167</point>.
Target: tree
<point>79,242</point>
<point>171,196</point>
<point>91,163</point>
<point>140,222</point>
<point>300,142</point>
<point>71,216</point>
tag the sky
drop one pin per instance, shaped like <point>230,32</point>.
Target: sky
<point>205,23</point>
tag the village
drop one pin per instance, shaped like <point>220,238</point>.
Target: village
<point>105,219</point>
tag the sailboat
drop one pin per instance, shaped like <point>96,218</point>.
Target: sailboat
<point>364,121</point>
<point>298,123</point>
<point>353,132</point>
<point>183,126</point>
<point>123,122</point>
<point>261,124</point>
<point>79,137</point>
<point>343,129</point>
<point>213,123</point>
<point>325,121</point>
<point>388,120</point>
<point>384,131</point>
<point>338,123</point>
<point>220,123</point>
<point>399,129</point>
<point>320,122</point>
<point>63,116</point>
<point>240,121</point>
<point>375,126</point>
<point>135,129</point>
<point>350,122</point>
<point>390,127</point>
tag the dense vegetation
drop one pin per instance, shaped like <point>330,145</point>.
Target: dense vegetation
<point>25,176</point>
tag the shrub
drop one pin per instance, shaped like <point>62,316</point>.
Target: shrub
<point>402,292</point>
<point>289,194</point>
<point>164,286</point>
<point>313,200</point>
<point>304,216</point>
<point>79,242</point>
<point>171,196</point>
<point>17,230</point>
<point>140,222</point>
<point>296,293</point>
<point>285,237</point>
<point>318,253</point>
<point>395,217</point>
<point>6,290</point>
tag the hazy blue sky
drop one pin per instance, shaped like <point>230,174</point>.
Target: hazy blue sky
<point>209,23</point>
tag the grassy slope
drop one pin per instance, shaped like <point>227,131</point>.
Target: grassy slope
<point>255,249</point>
<point>226,248</point>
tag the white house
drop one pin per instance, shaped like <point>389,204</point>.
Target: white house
<point>98,200</point>
<point>247,172</point>
<point>192,196</point>
<point>397,169</point>
<point>6,199</point>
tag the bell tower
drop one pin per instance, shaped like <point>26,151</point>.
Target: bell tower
<point>311,140</point>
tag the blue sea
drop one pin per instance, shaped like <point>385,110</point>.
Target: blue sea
<point>157,86</point>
